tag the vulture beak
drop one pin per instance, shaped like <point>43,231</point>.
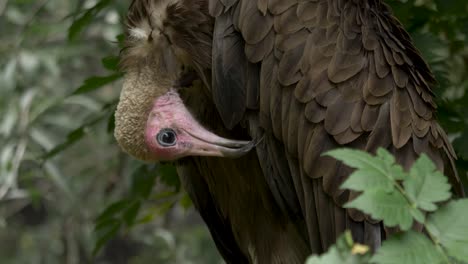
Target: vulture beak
<point>172,133</point>
<point>206,143</point>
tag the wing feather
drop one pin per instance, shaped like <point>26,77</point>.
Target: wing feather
<point>339,73</point>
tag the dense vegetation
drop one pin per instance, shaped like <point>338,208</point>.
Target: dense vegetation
<point>69,195</point>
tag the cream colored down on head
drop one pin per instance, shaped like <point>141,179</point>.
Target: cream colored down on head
<point>151,71</point>
<point>152,65</point>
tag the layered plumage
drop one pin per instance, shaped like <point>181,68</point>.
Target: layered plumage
<point>303,77</point>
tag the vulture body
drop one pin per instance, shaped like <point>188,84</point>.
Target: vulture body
<point>275,84</point>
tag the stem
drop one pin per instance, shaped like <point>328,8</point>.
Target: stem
<point>412,203</point>
<point>437,244</point>
<point>11,178</point>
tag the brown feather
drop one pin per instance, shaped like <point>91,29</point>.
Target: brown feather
<point>288,69</point>
<point>309,76</point>
<point>314,112</point>
<point>250,15</point>
<point>257,52</point>
<point>277,7</point>
<point>338,116</point>
<point>369,117</point>
<point>288,22</point>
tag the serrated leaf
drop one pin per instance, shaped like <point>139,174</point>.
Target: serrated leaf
<point>425,185</point>
<point>408,248</point>
<point>395,171</point>
<point>96,82</point>
<point>418,215</point>
<point>353,158</point>
<point>391,207</point>
<point>450,226</point>
<point>381,166</point>
<point>385,156</point>
<point>366,179</point>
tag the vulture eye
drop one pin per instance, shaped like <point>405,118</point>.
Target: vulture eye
<point>166,137</point>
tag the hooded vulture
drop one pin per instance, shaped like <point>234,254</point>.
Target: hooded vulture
<point>245,95</point>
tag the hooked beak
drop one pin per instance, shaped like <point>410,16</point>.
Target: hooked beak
<point>206,143</point>
<point>189,137</point>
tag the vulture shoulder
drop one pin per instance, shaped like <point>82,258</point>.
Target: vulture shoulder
<point>314,75</point>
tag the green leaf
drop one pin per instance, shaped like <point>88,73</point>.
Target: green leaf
<point>354,158</point>
<point>168,175</point>
<point>391,207</point>
<point>71,139</point>
<point>96,82</point>
<point>105,235</point>
<point>393,170</point>
<point>111,63</point>
<point>104,224</point>
<point>79,24</point>
<point>84,20</point>
<point>131,213</point>
<point>112,210</point>
<point>449,225</point>
<point>383,164</point>
<point>163,195</point>
<point>143,182</point>
<point>408,248</point>
<point>366,179</point>
<point>185,201</point>
<point>425,185</point>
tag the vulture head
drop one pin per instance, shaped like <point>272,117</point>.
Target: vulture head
<point>152,122</point>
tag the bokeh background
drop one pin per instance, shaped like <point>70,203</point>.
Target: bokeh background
<point>69,195</point>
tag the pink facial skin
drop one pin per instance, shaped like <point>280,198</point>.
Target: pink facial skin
<point>192,139</point>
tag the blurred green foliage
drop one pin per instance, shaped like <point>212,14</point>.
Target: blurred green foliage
<point>60,167</point>
<point>66,190</point>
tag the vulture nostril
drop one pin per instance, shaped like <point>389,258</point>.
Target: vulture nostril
<point>166,137</point>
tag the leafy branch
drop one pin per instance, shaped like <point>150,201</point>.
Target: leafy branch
<point>399,198</point>
<point>86,18</point>
<point>126,213</point>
